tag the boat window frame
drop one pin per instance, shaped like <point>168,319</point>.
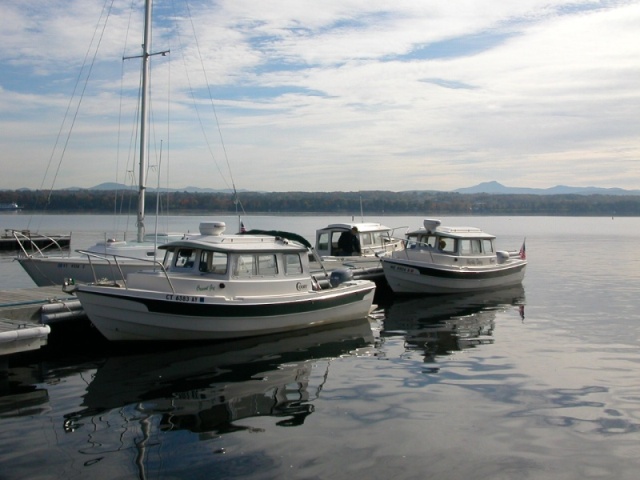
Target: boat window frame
<point>489,241</point>
<point>323,241</point>
<point>366,240</point>
<point>287,264</point>
<point>470,246</point>
<point>247,265</point>
<point>213,262</point>
<point>189,260</point>
<point>451,244</point>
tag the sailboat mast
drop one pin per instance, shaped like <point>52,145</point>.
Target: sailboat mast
<point>144,118</point>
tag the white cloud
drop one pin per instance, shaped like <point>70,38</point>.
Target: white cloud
<point>372,95</point>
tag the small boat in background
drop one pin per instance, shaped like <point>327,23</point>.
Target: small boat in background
<point>9,206</point>
<point>439,259</point>
<point>374,240</point>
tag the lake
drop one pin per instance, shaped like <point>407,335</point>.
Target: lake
<point>538,382</point>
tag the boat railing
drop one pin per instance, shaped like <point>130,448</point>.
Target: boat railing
<point>25,237</point>
<point>112,260</point>
<point>422,246</point>
<point>393,232</point>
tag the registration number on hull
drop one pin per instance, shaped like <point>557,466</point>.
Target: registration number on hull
<point>184,298</point>
<point>404,269</point>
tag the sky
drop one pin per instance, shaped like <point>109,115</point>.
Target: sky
<point>338,95</point>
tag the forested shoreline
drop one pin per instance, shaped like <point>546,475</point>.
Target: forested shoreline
<point>351,203</point>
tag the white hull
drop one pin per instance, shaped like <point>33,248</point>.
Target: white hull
<point>139,315</point>
<point>47,271</point>
<point>414,278</point>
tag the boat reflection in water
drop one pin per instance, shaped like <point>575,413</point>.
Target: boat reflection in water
<point>206,387</point>
<point>440,325</point>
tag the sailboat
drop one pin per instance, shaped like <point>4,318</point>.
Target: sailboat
<point>47,269</point>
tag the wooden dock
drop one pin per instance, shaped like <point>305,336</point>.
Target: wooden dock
<point>27,313</point>
<point>31,241</point>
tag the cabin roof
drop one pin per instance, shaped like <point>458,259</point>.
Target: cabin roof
<point>236,243</point>
<point>453,232</point>
<point>362,227</point>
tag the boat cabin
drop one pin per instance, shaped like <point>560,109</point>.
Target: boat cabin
<point>219,260</point>
<point>236,264</point>
<point>375,239</point>
<point>467,241</point>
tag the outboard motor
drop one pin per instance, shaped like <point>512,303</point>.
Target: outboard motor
<point>503,256</point>
<point>339,276</point>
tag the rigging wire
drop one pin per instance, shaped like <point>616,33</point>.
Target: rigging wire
<point>75,88</point>
<point>236,198</point>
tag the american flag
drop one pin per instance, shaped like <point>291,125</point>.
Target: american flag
<point>523,251</point>
<point>242,229</point>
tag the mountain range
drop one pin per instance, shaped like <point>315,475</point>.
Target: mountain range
<point>497,188</point>
<point>494,188</point>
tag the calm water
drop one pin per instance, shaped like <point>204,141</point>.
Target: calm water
<point>538,382</point>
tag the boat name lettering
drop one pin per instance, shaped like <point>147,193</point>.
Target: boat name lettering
<point>301,286</point>
<point>206,288</point>
<point>183,298</point>
<point>474,261</point>
<point>70,265</point>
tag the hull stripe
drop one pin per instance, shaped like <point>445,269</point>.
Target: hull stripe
<point>460,274</point>
<point>240,309</point>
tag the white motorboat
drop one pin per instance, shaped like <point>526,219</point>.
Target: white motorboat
<point>217,286</point>
<point>439,259</point>
<point>375,240</point>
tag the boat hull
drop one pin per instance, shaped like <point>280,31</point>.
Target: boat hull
<point>47,271</point>
<point>139,315</point>
<point>421,278</point>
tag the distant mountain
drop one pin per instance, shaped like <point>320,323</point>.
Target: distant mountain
<point>120,186</point>
<point>497,188</point>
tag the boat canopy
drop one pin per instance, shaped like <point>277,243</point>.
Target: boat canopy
<point>362,227</point>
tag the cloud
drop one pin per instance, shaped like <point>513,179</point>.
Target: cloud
<point>373,95</point>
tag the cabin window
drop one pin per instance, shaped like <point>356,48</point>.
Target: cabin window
<point>365,239</point>
<point>213,262</point>
<point>323,242</point>
<point>168,258</point>
<point>245,266</point>
<point>267,264</point>
<point>335,237</point>
<point>412,241</point>
<point>487,246</point>
<point>469,246</point>
<point>292,264</point>
<point>378,238</point>
<point>447,245</point>
<point>249,265</point>
<point>185,258</point>
<point>429,241</point>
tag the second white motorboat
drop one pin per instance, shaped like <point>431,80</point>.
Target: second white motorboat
<point>439,259</point>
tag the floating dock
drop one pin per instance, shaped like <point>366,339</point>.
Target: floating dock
<point>28,240</point>
<point>17,336</point>
<point>27,313</point>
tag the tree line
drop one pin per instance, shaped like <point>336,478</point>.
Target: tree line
<point>350,203</point>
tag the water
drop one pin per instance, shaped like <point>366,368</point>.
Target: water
<point>539,382</point>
